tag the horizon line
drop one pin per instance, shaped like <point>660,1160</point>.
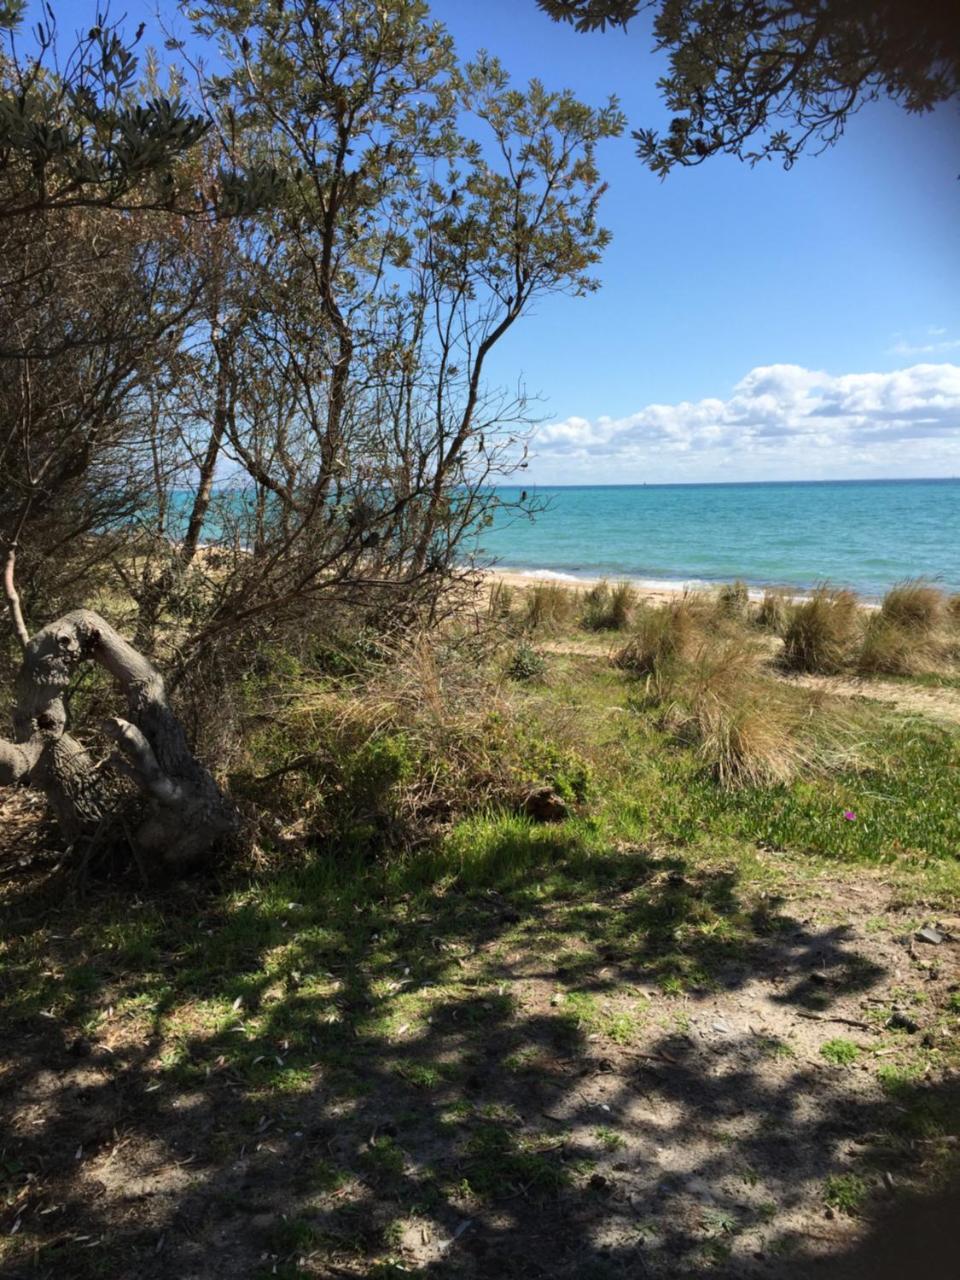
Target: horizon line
<point>718,484</point>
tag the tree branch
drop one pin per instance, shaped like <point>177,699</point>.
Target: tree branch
<point>13,597</point>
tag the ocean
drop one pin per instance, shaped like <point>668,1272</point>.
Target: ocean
<point>864,534</point>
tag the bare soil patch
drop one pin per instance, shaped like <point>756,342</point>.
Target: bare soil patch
<point>939,703</point>
<point>633,1080</point>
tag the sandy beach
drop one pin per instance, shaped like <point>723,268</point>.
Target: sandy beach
<point>660,593</point>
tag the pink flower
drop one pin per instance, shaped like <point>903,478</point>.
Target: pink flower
<point>849,815</point>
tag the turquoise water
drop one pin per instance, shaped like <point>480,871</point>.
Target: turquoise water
<point>862,534</point>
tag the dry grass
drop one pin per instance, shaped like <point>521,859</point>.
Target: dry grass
<point>607,608</point>
<point>743,727</point>
<point>773,612</point>
<point>733,600</point>
<point>822,632</point>
<point>662,636</point>
<point>423,736</point>
<point>914,606</point>
<point>501,600</point>
<point>891,648</point>
<point>549,607</point>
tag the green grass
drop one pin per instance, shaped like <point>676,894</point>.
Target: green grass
<point>386,985</point>
<point>846,1192</point>
<point>609,1139</point>
<point>840,1052</point>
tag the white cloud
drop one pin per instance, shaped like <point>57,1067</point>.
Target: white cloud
<point>903,348</point>
<point>780,421</point>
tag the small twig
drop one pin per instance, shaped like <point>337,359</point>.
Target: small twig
<point>299,762</point>
<point>847,1022</point>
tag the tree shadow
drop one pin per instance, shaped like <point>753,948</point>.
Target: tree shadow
<point>562,1076</point>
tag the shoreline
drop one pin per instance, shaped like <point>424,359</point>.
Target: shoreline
<point>650,590</point>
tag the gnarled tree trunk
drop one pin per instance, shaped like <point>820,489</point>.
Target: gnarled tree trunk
<point>183,814</point>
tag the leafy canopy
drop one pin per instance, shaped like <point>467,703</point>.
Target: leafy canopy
<point>760,80</point>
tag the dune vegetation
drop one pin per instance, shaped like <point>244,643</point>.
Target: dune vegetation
<point>486,869</point>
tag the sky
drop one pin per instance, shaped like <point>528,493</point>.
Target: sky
<point>752,323</point>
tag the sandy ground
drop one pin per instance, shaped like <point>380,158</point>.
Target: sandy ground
<point>523,579</point>
<point>686,1135</point>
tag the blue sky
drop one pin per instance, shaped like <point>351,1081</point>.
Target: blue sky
<point>723,279</point>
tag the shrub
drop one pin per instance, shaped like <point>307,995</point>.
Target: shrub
<point>822,632</point>
<point>379,764</point>
<point>662,636</point>
<point>742,727</point>
<point>549,607</point>
<point>914,605</point>
<point>527,663</point>
<point>609,608</point>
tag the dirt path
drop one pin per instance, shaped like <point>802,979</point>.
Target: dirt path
<point>937,703</point>
<point>670,1072</point>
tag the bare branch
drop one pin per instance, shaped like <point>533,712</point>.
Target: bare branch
<point>13,597</point>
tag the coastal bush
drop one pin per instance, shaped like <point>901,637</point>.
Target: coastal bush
<point>526,663</point>
<point>547,606</point>
<point>607,608</point>
<point>379,763</point>
<point>661,636</point>
<point>822,632</point>
<point>914,605</point>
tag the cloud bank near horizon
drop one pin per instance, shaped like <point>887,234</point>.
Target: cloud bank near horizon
<point>780,422</point>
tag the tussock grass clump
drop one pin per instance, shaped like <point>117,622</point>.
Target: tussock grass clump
<point>547,606</point>
<point>662,636</point>
<point>953,609</point>
<point>742,727</point>
<point>822,632</point>
<point>609,608</point>
<point>890,648</point>
<point>773,612</point>
<point>893,649</point>
<point>914,606</point>
<point>501,600</point>
<point>733,600</point>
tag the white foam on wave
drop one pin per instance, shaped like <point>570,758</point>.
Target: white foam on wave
<point>552,574</point>
<point>797,595</point>
<point>642,584</point>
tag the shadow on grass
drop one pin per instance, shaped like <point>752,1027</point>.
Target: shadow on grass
<point>506,1067</point>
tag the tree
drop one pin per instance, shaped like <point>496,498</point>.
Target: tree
<point>327,351</point>
<point>354,336</point>
<point>760,79</point>
<point>86,312</point>
<point>74,133</point>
